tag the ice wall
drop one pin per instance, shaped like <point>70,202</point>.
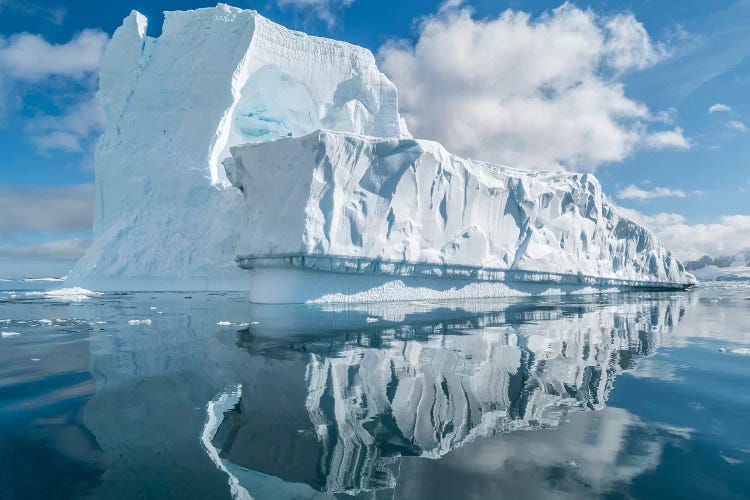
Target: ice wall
<point>166,216</point>
<point>406,199</point>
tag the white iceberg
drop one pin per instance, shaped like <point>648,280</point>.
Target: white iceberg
<point>165,215</point>
<point>367,219</point>
<point>224,92</point>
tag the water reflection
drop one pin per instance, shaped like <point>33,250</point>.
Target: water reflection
<point>330,401</point>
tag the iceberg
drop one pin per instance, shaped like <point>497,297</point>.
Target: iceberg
<point>368,218</point>
<point>229,135</point>
<point>165,215</point>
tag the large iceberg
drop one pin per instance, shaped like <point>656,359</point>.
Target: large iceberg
<point>386,208</point>
<point>226,105</point>
<point>166,217</point>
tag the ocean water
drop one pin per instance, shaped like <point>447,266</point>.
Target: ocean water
<point>196,395</point>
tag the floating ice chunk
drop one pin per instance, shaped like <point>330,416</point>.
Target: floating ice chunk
<point>74,294</point>
<point>134,322</point>
<point>5,335</point>
<point>35,359</point>
<point>153,308</point>
<point>229,323</point>
<point>745,351</point>
<point>372,320</point>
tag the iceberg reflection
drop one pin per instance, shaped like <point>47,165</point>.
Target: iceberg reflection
<point>332,408</point>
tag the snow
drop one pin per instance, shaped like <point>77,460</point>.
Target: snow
<point>165,215</point>
<point>410,200</point>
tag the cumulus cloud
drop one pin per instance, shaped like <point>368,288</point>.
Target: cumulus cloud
<point>728,235</point>
<point>325,10</point>
<point>46,208</point>
<point>718,108</point>
<point>541,92</point>
<point>633,192</point>
<point>67,132</point>
<point>667,139</point>
<point>30,64</point>
<point>30,57</point>
<point>737,125</point>
<point>63,250</point>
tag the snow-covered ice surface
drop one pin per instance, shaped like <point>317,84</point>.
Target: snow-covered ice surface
<point>166,217</point>
<point>410,200</point>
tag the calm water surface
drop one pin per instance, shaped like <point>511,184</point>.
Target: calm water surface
<point>619,396</point>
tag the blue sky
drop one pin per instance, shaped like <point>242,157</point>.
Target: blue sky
<point>678,159</point>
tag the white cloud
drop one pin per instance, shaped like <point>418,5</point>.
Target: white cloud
<point>718,107</point>
<point>633,192</point>
<point>64,250</point>
<point>729,235</point>
<point>67,132</point>
<point>30,57</point>
<point>325,10</point>
<point>534,92</point>
<point>667,139</point>
<point>28,63</point>
<point>737,125</point>
<point>46,208</point>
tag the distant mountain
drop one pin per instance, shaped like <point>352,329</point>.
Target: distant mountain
<point>726,268</point>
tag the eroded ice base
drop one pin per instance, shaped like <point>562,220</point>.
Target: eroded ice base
<point>294,286</point>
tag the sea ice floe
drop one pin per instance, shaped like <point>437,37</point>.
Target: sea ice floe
<point>745,351</point>
<point>6,335</point>
<point>229,323</point>
<point>134,322</point>
<point>74,294</point>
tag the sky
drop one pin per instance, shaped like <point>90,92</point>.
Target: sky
<point>650,96</point>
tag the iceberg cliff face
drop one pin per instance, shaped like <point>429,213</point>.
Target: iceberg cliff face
<point>406,199</point>
<point>216,77</point>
